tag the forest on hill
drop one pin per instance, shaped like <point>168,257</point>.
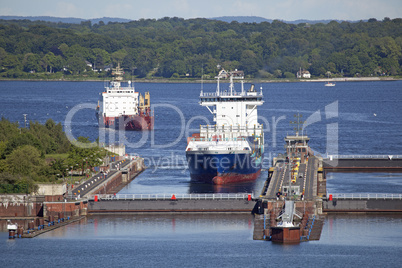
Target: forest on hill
<point>189,48</point>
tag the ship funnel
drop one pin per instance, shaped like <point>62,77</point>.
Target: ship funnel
<point>252,88</point>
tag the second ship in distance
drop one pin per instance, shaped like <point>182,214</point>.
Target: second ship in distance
<point>121,107</point>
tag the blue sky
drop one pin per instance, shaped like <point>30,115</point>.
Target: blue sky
<point>155,9</point>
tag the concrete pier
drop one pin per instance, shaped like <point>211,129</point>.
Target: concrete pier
<point>363,163</point>
<point>121,173</point>
<point>295,178</point>
<point>187,203</point>
<point>47,228</point>
<point>367,203</point>
<point>362,202</point>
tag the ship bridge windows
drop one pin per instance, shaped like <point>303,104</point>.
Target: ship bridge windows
<point>219,99</point>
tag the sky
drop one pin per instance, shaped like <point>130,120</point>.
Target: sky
<point>287,10</point>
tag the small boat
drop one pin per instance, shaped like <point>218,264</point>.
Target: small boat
<point>329,84</point>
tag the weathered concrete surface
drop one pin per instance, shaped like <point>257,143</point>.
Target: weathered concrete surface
<point>51,189</point>
<point>72,209</point>
<point>364,205</point>
<point>18,205</point>
<point>138,206</point>
<point>356,164</point>
<point>100,184</point>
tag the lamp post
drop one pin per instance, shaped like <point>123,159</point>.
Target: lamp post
<point>290,171</point>
<point>71,178</point>
<point>25,120</point>
<point>64,179</point>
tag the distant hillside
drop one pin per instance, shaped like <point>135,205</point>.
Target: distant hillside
<point>241,19</point>
<point>106,20</point>
<point>63,20</point>
<point>252,19</point>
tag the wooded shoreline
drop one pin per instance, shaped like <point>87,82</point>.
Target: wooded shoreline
<point>251,80</point>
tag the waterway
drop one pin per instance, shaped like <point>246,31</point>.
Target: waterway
<point>205,241</point>
<point>350,118</point>
<point>366,116</point>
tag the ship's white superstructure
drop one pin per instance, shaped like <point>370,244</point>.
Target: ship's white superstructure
<point>118,100</point>
<point>231,149</point>
<point>232,108</point>
<point>121,106</point>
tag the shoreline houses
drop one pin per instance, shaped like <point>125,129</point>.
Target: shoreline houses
<point>303,74</point>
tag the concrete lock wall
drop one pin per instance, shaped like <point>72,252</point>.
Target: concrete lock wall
<point>71,209</point>
<point>21,205</point>
<point>170,205</point>
<point>51,189</point>
<point>364,205</point>
<point>111,183</point>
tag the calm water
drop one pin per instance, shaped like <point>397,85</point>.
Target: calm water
<point>366,114</point>
<point>353,117</point>
<point>205,241</point>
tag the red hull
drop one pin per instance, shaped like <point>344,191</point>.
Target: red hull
<point>130,122</point>
<point>233,178</point>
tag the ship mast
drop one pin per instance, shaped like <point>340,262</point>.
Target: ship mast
<point>118,72</point>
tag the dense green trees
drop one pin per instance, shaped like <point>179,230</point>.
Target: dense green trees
<point>40,153</point>
<point>171,47</point>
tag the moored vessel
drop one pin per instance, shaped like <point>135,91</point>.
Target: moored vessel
<point>232,149</point>
<point>121,107</point>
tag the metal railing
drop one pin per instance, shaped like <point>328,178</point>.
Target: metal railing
<point>228,196</point>
<point>371,196</point>
<point>364,157</point>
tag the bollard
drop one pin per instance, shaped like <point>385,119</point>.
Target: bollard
<point>20,231</point>
<point>31,225</point>
<point>51,220</point>
<point>11,234</point>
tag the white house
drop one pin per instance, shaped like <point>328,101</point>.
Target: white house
<point>303,74</point>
